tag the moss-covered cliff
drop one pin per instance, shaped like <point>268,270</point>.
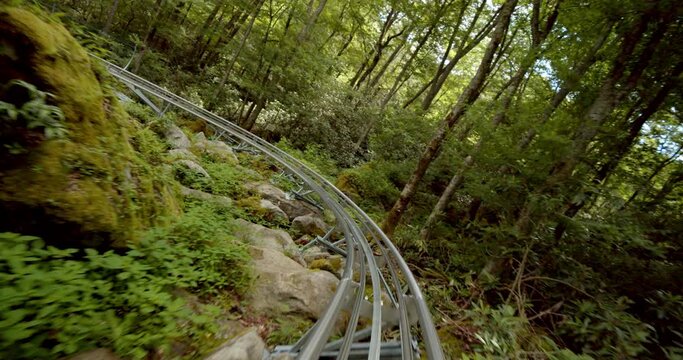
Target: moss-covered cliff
<point>88,186</point>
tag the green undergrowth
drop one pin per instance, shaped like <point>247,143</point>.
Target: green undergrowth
<point>314,157</point>
<point>56,302</point>
<point>287,330</point>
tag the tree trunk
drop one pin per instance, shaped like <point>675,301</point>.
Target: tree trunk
<point>110,17</point>
<point>654,173</point>
<point>467,98</point>
<point>613,90</point>
<point>406,67</point>
<point>463,49</point>
<point>454,184</point>
<point>224,79</point>
<point>621,148</point>
<point>368,66</point>
<point>203,30</point>
<point>310,22</point>
<point>499,117</point>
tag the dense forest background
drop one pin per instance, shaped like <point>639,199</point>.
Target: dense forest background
<point>525,155</point>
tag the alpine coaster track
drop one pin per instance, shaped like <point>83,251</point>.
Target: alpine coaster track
<point>367,249</point>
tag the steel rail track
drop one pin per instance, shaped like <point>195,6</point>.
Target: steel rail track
<point>405,308</point>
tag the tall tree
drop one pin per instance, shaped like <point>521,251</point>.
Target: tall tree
<point>539,33</point>
<point>466,99</point>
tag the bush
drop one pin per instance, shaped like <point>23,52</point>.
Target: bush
<point>603,328</point>
<point>369,185</point>
<point>25,114</point>
<point>313,156</point>
<point>56,302</point>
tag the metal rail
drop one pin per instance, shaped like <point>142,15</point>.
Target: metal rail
<point>361,237</point>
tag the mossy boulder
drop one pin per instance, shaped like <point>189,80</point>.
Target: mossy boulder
<point>89,187</point>
<point>332,264</point>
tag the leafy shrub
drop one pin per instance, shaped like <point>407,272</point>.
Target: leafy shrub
<point>288,329</point>
<point>500,331</point>
<point>26,108</point>
<point>228,180</point>
<point>148,144</point>
<point>369,185</point>
<point>502,334</point>
<point>313,156</point>
<point>667,311</point>
<point>192,179</point>
<point>56,302</point>
<point>144,115</point>
<point>603,328</point>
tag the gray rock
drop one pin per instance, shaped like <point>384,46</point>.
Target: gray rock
<point>199,137</point>
<point>264,237</point>
<point>267,191</point>
<point>304,240</point>
<point>176,138</point>
<point>200,195</point>
<point>293,208</point>
<point>310,225</point>
<point>194,167</point>
<point>315,253</point>
<point>246,347</point>
<point>296,208</point>
<point>273,213</point>
<point>216,149</point>
<point>182,154</point>
<point>97,354</point>
<point>284,286</point>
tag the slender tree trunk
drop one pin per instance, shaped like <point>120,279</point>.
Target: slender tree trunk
<point>224,79</point>
<point>310,22</point>
<point>621,148</point>
<point>149,37</point>
<point>407,66</point>
<point>669,186</point>
<point>455,183</point>
<point>443,72</point>
<point>613,90</point>
<point>110,17</point>
<point>373,58</point>
<point>375,80</point>
<point>204,29</point>
<point>467,98</point>
<point>648,182</point>
<point>457,180</point>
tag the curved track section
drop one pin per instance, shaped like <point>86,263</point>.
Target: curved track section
<point>372,261</point>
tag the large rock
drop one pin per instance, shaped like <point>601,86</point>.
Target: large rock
<point>182,154</point>
<point>90,187</point>
<point>273,213</point>
<point>267,191</point>
<point>215,149</point>
<point>315,253</point>
<point>309,225</point>
<point>176,138</point>
<point>284,286</point>
<point>194,167</point>
<point>223,201</point>
<point>293,208</point>
<point>246,347</point>
<point>264,237</point>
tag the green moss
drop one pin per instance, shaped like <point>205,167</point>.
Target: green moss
<point>93,182</point>
<point>451,344</point>
<point>332,264</point>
